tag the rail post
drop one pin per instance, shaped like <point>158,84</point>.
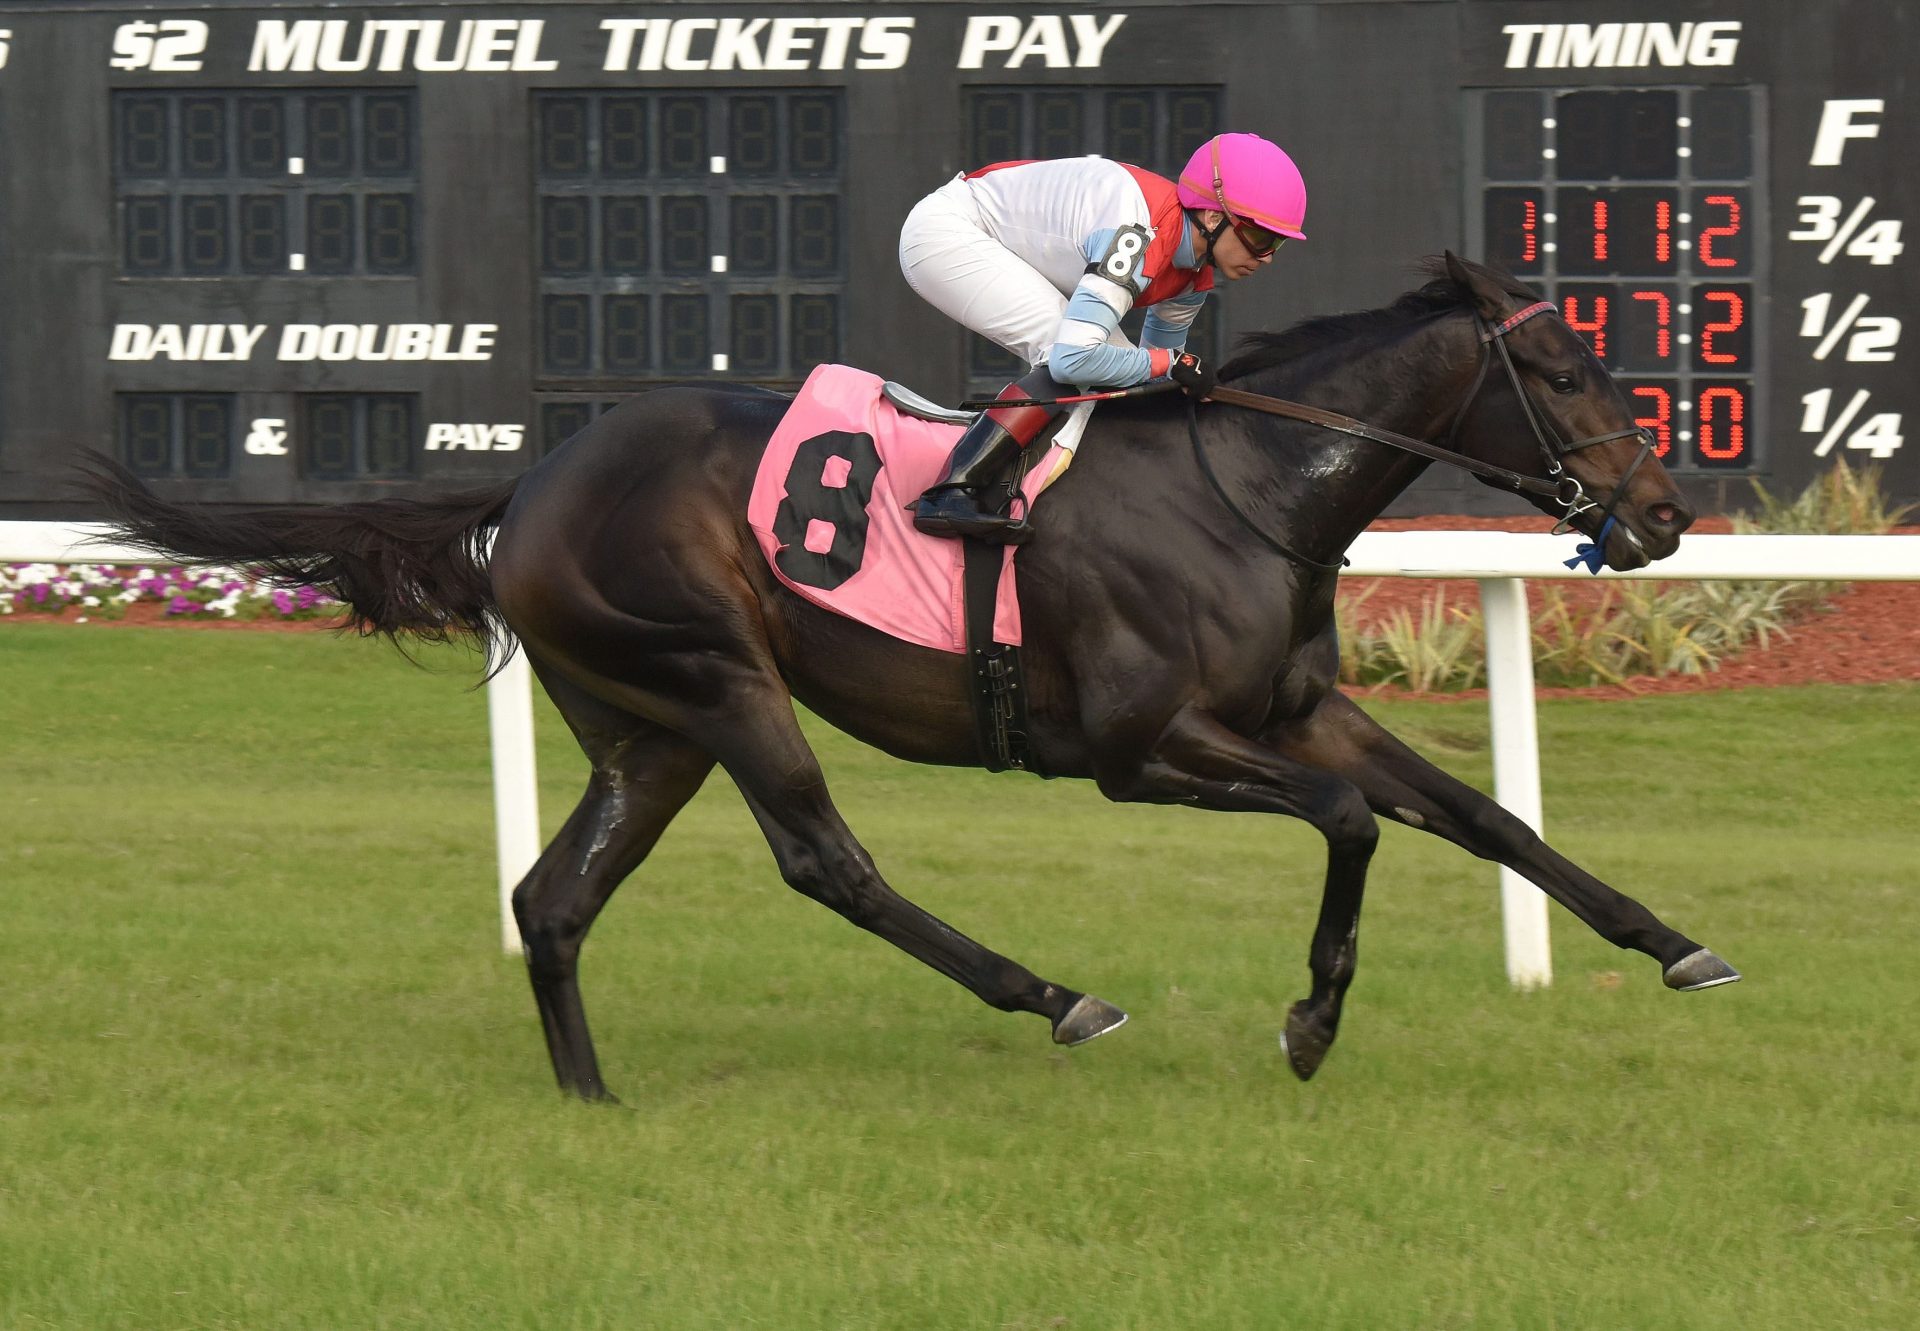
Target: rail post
<point>1516,770</point>
<point>516,793</point>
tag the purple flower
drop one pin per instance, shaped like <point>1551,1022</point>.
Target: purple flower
<point>283,601</point>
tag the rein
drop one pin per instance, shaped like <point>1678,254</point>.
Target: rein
<point>1563,489</point>
<point>1333,420</point>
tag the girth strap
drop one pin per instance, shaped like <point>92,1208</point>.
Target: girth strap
<point>998,685</point>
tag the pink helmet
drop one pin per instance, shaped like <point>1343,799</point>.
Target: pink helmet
<point>1247,177</point>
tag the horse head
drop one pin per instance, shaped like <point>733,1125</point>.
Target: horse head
<point>1569,420</point>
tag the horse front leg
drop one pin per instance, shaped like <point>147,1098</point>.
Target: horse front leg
<point>1400,784</point>
<point>1196,760</point>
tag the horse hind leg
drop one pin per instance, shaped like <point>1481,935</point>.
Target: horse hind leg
<point>760,744</point>
<point>643,775</point>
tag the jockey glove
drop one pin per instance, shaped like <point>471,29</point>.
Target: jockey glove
<point>1192,374</point>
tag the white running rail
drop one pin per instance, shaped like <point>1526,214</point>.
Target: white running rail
<point>1499,561</point>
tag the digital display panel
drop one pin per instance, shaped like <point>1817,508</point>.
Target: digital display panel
<point>689,234</point>
<point>1635,211</point>
<point>263,183</point>
<point>350,436</point>
<point>169,435</point>
<point>563,417</point>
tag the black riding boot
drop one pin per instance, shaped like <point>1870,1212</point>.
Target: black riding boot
<point>956,505</point>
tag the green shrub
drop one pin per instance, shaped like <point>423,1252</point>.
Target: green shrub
<point>1636,628</point>
<point>1841,502</point>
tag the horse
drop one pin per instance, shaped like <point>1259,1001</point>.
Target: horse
<point>624,566</point>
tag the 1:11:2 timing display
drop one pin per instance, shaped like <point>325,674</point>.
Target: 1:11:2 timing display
<point>1635,212</point>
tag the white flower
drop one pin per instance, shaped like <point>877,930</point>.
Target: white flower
<point>89,601</point>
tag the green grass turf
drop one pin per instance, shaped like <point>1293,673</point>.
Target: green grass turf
<point>262,1065</point>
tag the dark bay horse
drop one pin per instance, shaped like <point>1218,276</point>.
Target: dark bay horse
<point>1174,654</point>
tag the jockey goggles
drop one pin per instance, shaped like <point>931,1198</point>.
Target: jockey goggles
<point>1259,241</point>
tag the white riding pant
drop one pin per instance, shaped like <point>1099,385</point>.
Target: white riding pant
<point>949,258</point>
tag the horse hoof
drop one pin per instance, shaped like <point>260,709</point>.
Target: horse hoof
<point>1087,1019</point>
<point>1304,1046</point>
<point>1699,970</point>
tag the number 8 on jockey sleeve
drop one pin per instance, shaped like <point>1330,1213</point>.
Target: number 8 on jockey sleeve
<point>1045,258</point>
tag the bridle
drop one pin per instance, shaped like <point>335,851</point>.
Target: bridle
<point>1551,444</point>
<point>1557,486</point>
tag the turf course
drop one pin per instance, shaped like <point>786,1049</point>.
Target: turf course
<point>263,1067</point>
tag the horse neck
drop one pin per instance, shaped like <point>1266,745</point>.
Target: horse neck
<point>1329,486</point>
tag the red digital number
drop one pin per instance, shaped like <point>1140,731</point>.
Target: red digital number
<point>1662,319</point>
<point>1599,231</point>
<point>1730,230</point>
<point>1596,326</point>
<point>1663,233</point>
<point>1736,315</point>
<point>1736,440</point>
<point>1530,231</point>
<point>1661,422</point>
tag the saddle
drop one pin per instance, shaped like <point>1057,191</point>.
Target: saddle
<point>904,399</point>
<point>829,509</point>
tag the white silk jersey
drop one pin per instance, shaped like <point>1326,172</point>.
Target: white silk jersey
<point>1048,212</point>
<point>1108,235</point>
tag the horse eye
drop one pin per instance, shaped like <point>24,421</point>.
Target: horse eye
<point>1561,383</point>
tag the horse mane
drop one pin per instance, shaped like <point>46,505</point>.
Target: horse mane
<point>1254,352</point>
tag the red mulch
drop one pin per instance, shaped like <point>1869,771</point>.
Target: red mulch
<point>1869,634</point>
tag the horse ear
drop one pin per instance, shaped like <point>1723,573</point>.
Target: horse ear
<point>1490,298</point>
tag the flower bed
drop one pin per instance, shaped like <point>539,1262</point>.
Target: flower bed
<point>107,591</point>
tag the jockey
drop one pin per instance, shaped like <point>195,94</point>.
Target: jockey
<point>1045,258</point>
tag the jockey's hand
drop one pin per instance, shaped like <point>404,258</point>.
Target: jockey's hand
<point>1192,374</point>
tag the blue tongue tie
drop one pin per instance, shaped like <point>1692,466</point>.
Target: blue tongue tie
<point>1594,554</point>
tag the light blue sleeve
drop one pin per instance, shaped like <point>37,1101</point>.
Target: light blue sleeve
<point>1169,322</point>
<point>1081,353</point>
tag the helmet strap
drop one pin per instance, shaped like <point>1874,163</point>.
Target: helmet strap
<point>1220,197</point>
<point>1211,235</point>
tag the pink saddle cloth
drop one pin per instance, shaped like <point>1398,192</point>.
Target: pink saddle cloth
<point>830,510</point>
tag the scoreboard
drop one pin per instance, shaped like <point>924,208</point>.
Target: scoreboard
<point>1636,213</point>
<point>270,251</point>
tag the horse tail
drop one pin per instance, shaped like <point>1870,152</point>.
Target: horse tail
<point>413,566</point>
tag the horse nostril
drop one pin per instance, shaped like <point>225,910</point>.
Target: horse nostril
<point>1667,515</point>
